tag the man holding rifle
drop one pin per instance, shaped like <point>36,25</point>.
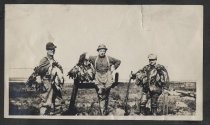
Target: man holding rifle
<point>152,78</point>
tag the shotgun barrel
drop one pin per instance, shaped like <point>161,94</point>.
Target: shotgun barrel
<point>126,97</point>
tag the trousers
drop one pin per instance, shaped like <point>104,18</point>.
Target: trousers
<point>103,83</point>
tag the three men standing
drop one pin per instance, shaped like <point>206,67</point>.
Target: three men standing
<point>152,78</point>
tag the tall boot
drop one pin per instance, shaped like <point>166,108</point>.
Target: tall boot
<point>154,111</point>
<point>138,110</point>
<point>106,97</point>
<point>142,110</point>
<point>106,110</point>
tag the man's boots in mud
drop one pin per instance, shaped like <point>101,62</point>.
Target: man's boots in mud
<point>142,110</point>
<point>154,111</point>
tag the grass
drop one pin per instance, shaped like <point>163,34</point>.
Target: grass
<point>27,103</point>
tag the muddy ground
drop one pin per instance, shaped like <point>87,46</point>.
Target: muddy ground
<point>27,103</point>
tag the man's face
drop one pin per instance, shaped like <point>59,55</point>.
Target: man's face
<point>102,52</point>
<point>152,61</point>
<point>51,52</point>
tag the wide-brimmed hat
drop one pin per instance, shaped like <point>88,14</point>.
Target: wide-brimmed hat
<point>102,46</point>
<point>50,46</point>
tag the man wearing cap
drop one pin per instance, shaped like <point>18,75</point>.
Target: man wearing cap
<point>104,66</point>
<point>43,70</point>
<point>152,78</point>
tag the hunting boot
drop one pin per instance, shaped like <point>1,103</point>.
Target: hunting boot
<point>142,110</point>
<point>106,110</point>
<point>154,111</point>
<point>138,109</point>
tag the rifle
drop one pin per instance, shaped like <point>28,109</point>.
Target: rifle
<point>99,103</point>
<point>99,100</point>
<point>115,83</point>
<point>165,94</point>
<point>126,97</point>
<point>165,103</point>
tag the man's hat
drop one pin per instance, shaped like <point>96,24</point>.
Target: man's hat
<point>152,56</point>
<point>102,46</point>
<point>50,46</point>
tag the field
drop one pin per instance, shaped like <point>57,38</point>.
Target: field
<point>27,103</point>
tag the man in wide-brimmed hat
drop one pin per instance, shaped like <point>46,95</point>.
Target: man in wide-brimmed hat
<point>104,66</point>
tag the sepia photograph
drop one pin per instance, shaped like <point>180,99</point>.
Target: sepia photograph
<point>103,62</point>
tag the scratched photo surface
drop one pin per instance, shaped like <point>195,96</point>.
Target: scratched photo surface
<point>173,34</point>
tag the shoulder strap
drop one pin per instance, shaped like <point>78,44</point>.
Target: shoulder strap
<point>107,58</point>
<point>49,59</point>
<point>46,57</point>
<point>53,78</point>
<point>96,61</point>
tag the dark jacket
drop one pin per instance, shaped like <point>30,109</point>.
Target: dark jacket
<point>43,66</point>
<point>161,71</point>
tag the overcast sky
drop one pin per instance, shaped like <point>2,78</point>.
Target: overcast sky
<point>130,32</point>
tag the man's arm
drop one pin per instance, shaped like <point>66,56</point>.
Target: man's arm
<point>42,64</point>
<point>114,61</point>
<point>144,69</point>
<point>55,63</point>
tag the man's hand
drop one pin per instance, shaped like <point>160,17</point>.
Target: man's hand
<point>165,91</point>
<point>132,76</point>
<point>58,87</point>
